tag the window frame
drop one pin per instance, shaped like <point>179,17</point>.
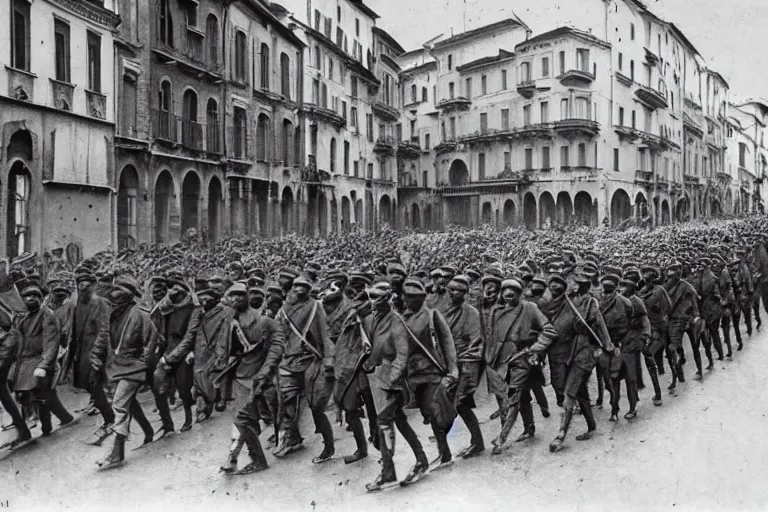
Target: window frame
<point>61,27</point>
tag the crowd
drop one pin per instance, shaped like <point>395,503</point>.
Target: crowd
<point>376,323</point>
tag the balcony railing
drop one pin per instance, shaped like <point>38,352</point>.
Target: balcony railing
<point>575,127</point>
<point>457,102</point>
<point>576,77</point>
<point>21,84</point>
<point>191,134</point>
<point>385,111</point>
<point>384,145</point>
<point>239,146</point>
<point>62,93</point>
<point>164,125</point>
<point>526,88</point>
<point>651,97</point>
<point>97,104</point>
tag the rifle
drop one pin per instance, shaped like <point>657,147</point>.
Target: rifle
<point>584,322</point>
<point>363,356</point>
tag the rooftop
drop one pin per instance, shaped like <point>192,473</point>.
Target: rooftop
<point>562,32</point>
<point>470,34</point>
<point>503,54</point>
<point>391,41</point>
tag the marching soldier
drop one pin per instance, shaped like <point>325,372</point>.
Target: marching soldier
<point>617,313</point>
<point>727,301</point>
<point>213,333</point>
<point>658,306</point>
<point>685,308</point>
<point>707,287</point>
<point>637,338</point>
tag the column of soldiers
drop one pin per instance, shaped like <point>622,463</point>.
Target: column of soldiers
<point>374,342</point>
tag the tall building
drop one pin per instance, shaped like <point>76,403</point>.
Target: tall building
<point>58,123</point>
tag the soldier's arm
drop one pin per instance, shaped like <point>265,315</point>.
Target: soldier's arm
<point>151,338</point>
<point>187,343</point>
<point>547,334</point>
<point>445,338</point>
<point>729,296</point>
<point>401,340</point>
<point>50,342</point>
<point>475,333</point>
<point>327,346</point>
<point>274,351</point>
<point>102,322</point>
<point>598,323</point>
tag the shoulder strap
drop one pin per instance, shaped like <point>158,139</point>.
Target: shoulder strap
<point>122,335</point>
<point>420,345</point>
<point>303,335</point>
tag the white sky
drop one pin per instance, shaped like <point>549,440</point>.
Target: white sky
<point>732,35</point>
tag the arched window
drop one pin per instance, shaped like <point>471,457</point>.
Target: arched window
<point>241,52</point>
<point>212,122</point>
<point>333,155</point>
<point>264,66</point>
<point>166,23</point>
<point>286,142</point>
<point>17,238</point>
<point>189,126</point>
<point>413,93</point>
<point>285,75</point>
<point>262,136</point>
<point>166,123</point>
<point>324,98</point>
<point>212,40</point>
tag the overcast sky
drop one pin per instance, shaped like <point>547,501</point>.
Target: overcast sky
<point>732,35</point>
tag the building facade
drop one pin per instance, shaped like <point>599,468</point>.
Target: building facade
<point>57,122</point>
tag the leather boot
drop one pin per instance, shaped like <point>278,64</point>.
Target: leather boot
<point>565,422</point>
<point>591,425</point>
<point>323,426</point>
<point>116,456</point>
<point>651,364</point>
<point>476,443</point>
<point>101,434</point>
<point>187,418</point>
<point>388,474</point>
<point>528,433</point>
<point>362,443</point>
<point>444,458</point>
<point>250,434</point>
<point>234,450</point>
<point>506,428</point>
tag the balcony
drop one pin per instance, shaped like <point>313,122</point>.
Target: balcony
<point>313,176</point>
<point>691,180</point>
<point>662,183</point>
<point>164,126</point>
<point>535,131</point>
<point>446,146</point>
<point>212,138</point>
<point>651,58</point>
<point>526,89</point>
<point>195,48</point>
<point>457,103</point>
<point>692,126</point>
<point>571,128</point>
<point>624,79</point>
<point>384,111</point>
<point>409,149</point>
<point>62,93</point>
<point>97,104</point>
<point>644,178</point>
<point>192,135</point>
<point>21,84</point>
<point>239,143</point>
<point>384,145</point>
<point>651,97</point>
<point>191,59</point>
<point>724,177</point>
<point>488,135</point>
<point>315,113</point>
<point>576,78</point>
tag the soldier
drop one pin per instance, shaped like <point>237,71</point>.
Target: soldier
<point>637,338</point>
<point>464,322</point>
<point>307,366</point>
<point>521,333</point>
<point>438,299</point>
<point>708,289</point>
<point>177,320</point>
<point>580,326</point>
<point>657,306</point>
<point>757,262</point>
<point>684,308</point>
<point>7,357</point>
<point>123,359</point>
<point>617,314</point>
<point>396,275</point>
<point>432,369</point>
<point>256,296</point>
<point>742,292</point>
<point>214,332</point>
<point>255,345</point>
<point>727,300</point>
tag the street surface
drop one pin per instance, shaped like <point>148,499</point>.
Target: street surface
<point>703,450</point>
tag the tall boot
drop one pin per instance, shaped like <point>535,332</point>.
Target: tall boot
<point>651,365</point>
<point>600,386</point>
<point>589,418</point>
<point>639,372</point>
<point>235,446</point>
<point>116,456</point>
<point>444,458</point>
<point>405,429</point>
<point>323,426</point>
<point>506,428</point>
<point>362,443</point>
<point>138,414</point>
<point>164,411</point>
<point>476,443</point>
<point>249,433</point>
<point>388,474</point>
<point>632,397</point>
<point>615,399</point>
<point>187,418</point>
<point>565,422</point>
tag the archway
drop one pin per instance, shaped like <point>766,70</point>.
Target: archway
<point>641,206</point>
<point>621,207</point>
<point>415,217</point>
<point>369,211</point>
<point>564,208</point>
<point>346,212</point>
<point>547,210</point>
<point>665,213</point>
<point>334,216</point>
<point>458,174</point>
<point>286,210</point>
<point>427,218</point>
<point>509,212</point>
<point>385,211</point>
<point>359,213</point>
<point>190,199</point>
<point>19,195</point>
<point>214,209</point>
<point>127,193</point>
<point>682,209</point>
<point>322,213</point>
<point>486,214</point>
<point>729,201</point>
<point>582,207</point>
<point>529,211</point>
<point>164,196</point>
<point>714,207</point>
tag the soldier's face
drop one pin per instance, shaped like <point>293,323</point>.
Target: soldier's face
<point>511,296</point>
<point>32,302</point>
<point>239,301</point>
<point>491,291</point>
<point>440,283</point>
<point>608,286</point>
<point>557,289</point>
<point>456,294</point>
<point>177,293</point>
<point>626,291</point>
<point>284,282</point>
<point>396,278</point>
<point>158,292</point>
<point>672,273</point>
<point>414,302</point>
<point>649,276</point>
<point>256,300</point>
<point>208,302</point>
<point>301,292</point>
<point>85,290</point>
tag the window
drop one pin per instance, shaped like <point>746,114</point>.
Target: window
<point>616,159</point>
<point>453,128</point>
<point>94,62</point>
<point>424,178</point>
<point>565,111</point>
<point>545,157</point>
<point>582,155</point>
<point>442,130</point>
<point>166,23</point>
<point>369,126</point>
<point>424,95</point>
<point>338,13</point>
<point>356,168</point>
<point>191,11</point>
<point>240,135</point>
<point>621,116</point>
<point>318,58</point>
<point>339,37</point>
<point>481,166</point>
<point>450,90</point>
<point>632,70</point>
<point>346,158</point>
<point>317,20</point>
<point>562,62</point>
<point>507,160</point>
<point>450,62</point>
<point>582,60</point>
<point>632,31</point>
<point>353,117</point>
<point>414,91</point>
<point>330,69</point>
<point>382,130</point>
<point>344,110</point>
<point>468,88</point>
<point>434,93</point>
<point>262,137</point>
<point>20,35</point>
<point>634,119</point>
<point>264,66</point>
<point>353,86</point>
<point>742,154</point>
<point>505,119</point>
<point>545,67</point>
<point>285,75</point>
<point>426,141</point>
<point>324,96</point>
<point>128,106</point>
<point>582,108</point>
<point>357,27</point>
<point>333,155</point>
<point>61,31</point>
<point>484,84</point>
<point>525,72</point>
<point>526,115</point>
<point>316,91</point>
<point>413,129</point>
<point>327,27</point>
<point>621,61</point>
<point>212,40</point>
<point>565,153</point>
<point>528,158</point>
<point>241,43</point>
<point>166,129</point>
<point>503,79</point>
<point>483,122</point>
<point>286,142</point>
<point>544,111</point>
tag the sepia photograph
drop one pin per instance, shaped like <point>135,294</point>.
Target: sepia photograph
<point>383,255</point>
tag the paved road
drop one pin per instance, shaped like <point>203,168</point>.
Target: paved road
<point>703,450</point>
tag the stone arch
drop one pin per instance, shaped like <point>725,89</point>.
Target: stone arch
<point>286,210</point>
<point>358,213</point>
<point>415,217</point>
<point>369,210</point>
<point>665,213</point>
<point>564,208</point>
<point>547,209</point>
<point>190,202</point>
<point>127,208</point>
<point>346,214</point>
<point>215,201</point>
<point>458,173</point>
<point>582,208</point>
<point>682,209</point>
<point>165,207</point>
<point>641,206</point>
<point>20,192</point>
<point>486,216</point>
<point>529,211</point>
<point>509,212</point>
<point>262,137</point>
<point>21,145</point>
<point>385,211</point>
<point>621,207</point>
<point>427,218</point>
